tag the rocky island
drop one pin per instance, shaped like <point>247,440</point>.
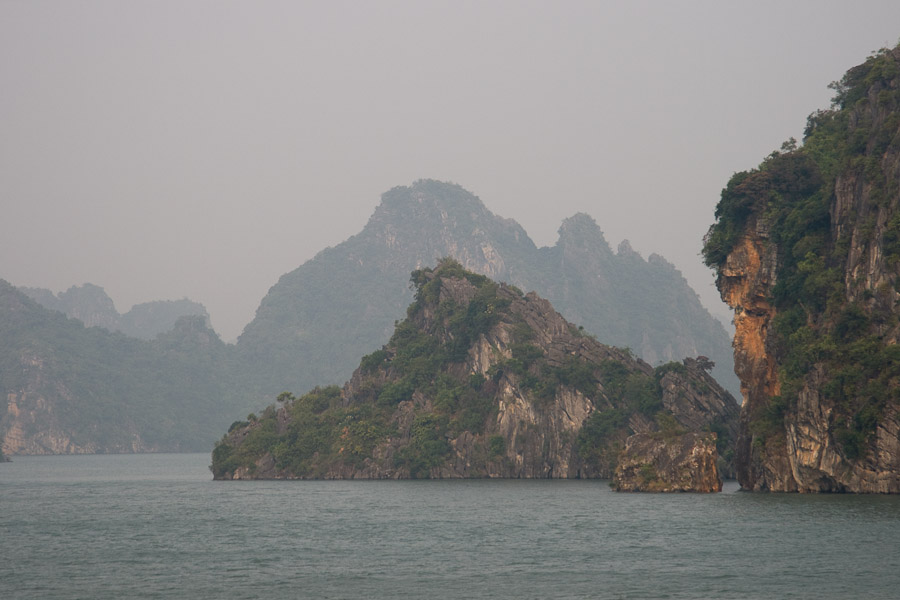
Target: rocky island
<point>480,380</point>
<point>807,252</point>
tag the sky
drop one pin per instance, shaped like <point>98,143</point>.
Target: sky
<point>201,149</point>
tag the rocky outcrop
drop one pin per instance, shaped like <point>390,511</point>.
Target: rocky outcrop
<point>746,282</point>
<point>480,380</point>
<point>673,463</point>
<point>807,253</point>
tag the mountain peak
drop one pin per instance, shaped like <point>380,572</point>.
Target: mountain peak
<point>327,312</point>
<point>426,194</point>
<point>625,249</point>
<point>582,229</point>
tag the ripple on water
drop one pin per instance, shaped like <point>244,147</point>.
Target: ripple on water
<point>156,526</point>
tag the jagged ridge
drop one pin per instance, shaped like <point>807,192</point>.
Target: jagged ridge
<point>317,320</point>
<point>91,305</point>
<point>480,380</point>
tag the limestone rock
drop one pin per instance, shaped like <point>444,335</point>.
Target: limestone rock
<point>658,463</point>
<point>807,253</point>
<point>480,380</point>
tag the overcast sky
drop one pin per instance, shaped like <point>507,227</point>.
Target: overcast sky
<point>201,149</point>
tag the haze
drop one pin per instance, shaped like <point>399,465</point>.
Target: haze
<point>202,149</point>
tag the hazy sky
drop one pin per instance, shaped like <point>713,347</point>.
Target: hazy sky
<point>203,148</point>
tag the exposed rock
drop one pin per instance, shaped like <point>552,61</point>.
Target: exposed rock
<point>480,380</point>
<point>807,252</point>
<point>659,463</point>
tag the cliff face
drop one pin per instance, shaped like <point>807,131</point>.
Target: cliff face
<point>480,380</point>
<point>657,463</point>
<point>32,428</point>
<point>745,282</point>
<point>807,254</point>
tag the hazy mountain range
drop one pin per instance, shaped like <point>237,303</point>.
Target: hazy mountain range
<point>92,306</point>
<point>316,322</point>
<point>71,388</point>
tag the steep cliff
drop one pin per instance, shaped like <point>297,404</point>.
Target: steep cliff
<point>302,336</point>
<point>807,253</point>
<point>668,463</point>
<point>480,380</point>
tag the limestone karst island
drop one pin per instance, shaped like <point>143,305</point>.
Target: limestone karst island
<point>480,376</point>
<point>806,249</point>
<point>481,380</point>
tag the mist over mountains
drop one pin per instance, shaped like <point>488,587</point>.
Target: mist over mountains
<point>317,320</point>
<point>159,378</point>
<point>72,389</point>
<point>91,305</point>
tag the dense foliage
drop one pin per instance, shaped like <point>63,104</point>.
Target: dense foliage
<point>411,399</point>
<point>818,324</point>
<point>416,360</point>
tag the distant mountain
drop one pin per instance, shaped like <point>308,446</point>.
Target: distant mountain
<point>313,325</point>
<point>72,386</point>
<point>67,388</point>
<point>91,305</point>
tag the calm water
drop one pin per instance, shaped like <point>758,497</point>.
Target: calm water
<point>157,526</point>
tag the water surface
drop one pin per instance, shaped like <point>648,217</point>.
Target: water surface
<point>157,526</point>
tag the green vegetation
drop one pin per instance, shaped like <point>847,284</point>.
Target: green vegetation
<point>418,360</point>
<point>410,399</point>
<point>792,192</point>
<point>600,438</point>
<point>428,445</point>
<point>648,474</point>
<point>602,435</point>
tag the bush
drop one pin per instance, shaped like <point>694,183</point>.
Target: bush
<point>496,445</point>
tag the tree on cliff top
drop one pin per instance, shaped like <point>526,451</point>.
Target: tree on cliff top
<point>829,214</point>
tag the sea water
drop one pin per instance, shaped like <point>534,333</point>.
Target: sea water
<point>157,526</point>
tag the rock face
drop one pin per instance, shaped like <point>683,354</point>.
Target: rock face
<point>302,336</point>
<point>480,380</point>
<point>807,253</point>
<point>659,463</point>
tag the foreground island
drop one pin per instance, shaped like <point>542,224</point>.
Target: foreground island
<point>480,380</point>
